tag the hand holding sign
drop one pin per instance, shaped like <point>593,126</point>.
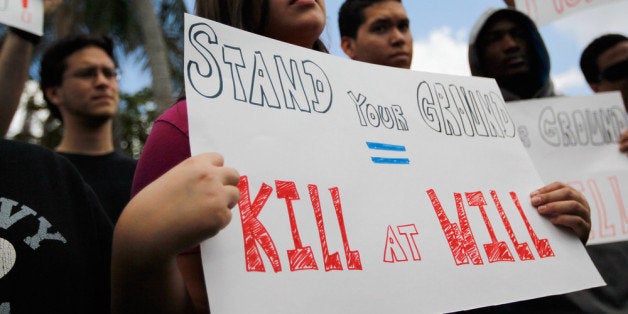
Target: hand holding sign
<point>51,6</point>
<point>27,15</point>
<point>186,205</point>
<point>198,194</point>
<point>564,206</point>
<point>623,141</point>
<point>574,139</point>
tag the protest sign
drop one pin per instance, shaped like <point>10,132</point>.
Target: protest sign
<point>366,188</point>
<point>27,15</point>
<point>546,11</point>
<point>575,140</point>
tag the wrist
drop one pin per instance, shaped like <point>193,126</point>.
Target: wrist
<point>29,37</point>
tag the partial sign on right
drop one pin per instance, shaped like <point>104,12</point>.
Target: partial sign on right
<point>575,140</point>
<point>546,11</point>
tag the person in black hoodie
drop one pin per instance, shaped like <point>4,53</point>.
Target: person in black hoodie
<point>505,44</point>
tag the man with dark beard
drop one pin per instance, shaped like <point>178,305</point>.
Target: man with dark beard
<point>505,44</point>
<point>79,79</point>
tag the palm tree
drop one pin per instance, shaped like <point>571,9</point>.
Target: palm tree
<point>134,25</point>
<point>156,53</point>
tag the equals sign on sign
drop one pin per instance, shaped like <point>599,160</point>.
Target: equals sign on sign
<point>389,148</point>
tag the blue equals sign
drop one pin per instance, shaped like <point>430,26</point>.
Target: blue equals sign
<point>390,148</point>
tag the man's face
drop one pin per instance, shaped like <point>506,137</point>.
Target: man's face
<point>613,66</point>
<point>384,37</point>
<point>89,88</point>
<point>504,49</point>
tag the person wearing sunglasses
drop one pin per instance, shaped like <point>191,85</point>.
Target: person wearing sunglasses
<point>79,80</point>
<point>604,63</point>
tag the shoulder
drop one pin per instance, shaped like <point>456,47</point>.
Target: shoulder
<point>11,149</point>
<point>167,145</point>
<point>32,158</point>
<point>177,116</point>
<point>123,159</point>
<point>50,185</point>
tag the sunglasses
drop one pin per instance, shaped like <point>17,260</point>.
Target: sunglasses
<point>615,72</point>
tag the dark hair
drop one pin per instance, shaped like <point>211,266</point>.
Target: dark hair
<point>590,55</point>
<point>53,62</point>
<point>248,15</point>
<point>351,15</point>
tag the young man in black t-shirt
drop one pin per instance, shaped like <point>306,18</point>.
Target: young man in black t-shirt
<point>79,79</point>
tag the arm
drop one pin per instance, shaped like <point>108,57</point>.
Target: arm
<point>15,59</point>
<point>623,141</point>
<point>185,206</point>
<point>166,147</point>
<point>564,206</point>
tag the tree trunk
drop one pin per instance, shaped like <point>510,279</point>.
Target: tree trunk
<point>155,48</point>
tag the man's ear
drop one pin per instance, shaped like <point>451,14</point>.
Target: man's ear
<point>52,93</point>
<point>348,46</point>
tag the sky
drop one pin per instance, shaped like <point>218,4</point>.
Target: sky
<point>440,29</point>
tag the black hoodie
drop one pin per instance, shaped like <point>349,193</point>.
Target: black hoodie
<point>546,88</point>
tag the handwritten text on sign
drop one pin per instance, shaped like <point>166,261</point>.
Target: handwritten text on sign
<point>575,140</point>
<point>546,11</point>
<point>27,15</point>
<point>362,183</point>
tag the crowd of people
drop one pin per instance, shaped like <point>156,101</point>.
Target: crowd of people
<point>107,234</point>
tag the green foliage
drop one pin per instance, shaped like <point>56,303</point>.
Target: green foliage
<point>134,120</point>
<point>171,18</point>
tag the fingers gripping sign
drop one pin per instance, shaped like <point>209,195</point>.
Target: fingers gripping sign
<point>188,204</point>
<point>564,206</point>
<point>623,142</point>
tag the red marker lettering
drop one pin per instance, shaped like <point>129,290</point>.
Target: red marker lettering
<point>460,239</point>
<point>253,230</point>
<point>301,257</point>
<point>393,252</point>
<point>332,262</point>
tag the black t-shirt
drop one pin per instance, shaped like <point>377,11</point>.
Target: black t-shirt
<point>55,239</point>
<point>110,176</point>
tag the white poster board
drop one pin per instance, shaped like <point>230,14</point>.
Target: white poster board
<point>575,140</point>
<point>365,189</point>
<point>27,15</point>
<point>546,11</point>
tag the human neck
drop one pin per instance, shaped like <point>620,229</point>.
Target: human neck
<point>305,38</point>
<point>84,139</point>
<point>306,43</point>
<point>522,85</point>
